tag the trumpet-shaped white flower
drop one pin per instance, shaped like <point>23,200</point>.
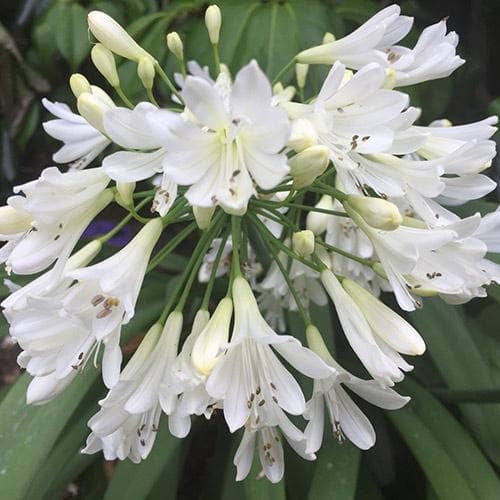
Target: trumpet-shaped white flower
<point>127,423</point>
<point>82,142</point>
<point>239,139</point>
<point>399,252</point>
<point>365,44</point>
<point>249,378</point>
<point>61,206</point>
<point>345,416</point>
<point>458,271</point>
<point>131,411</point>
<point>136,132</point>
<point>367,339</point>
<point>189,382</point>
<point>267,440</point>
<point>434,55</point>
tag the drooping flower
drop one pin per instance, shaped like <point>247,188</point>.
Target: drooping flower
<point>82,142</point>
<point>61,205</point>
<point>345,416</point>
<point>249,379</point>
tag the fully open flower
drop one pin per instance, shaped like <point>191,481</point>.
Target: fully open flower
<point>345,416</point>
<point>61,205</point>
<point>238,137</point>
<point>252,382</point>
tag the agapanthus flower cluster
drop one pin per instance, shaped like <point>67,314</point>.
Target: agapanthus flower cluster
<point>334,198</point>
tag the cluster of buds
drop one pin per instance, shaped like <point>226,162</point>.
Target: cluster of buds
<point>333,197</point>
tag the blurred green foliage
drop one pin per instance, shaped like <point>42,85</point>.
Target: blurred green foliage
<point>445,444</point>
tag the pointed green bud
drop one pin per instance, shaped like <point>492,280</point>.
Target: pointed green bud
<point>79,84</point>
<point>213,22</point>
<point>303,242</point>
<point>146,72</point>
<point>376,212</point>
<point>104,61</point>
<point>114,37</point>
<point>175,45</point>
<point>309,164</point>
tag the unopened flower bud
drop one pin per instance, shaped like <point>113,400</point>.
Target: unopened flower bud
<point>303,242</point>
<point>307,165</point>
<point>321,54</point>
<point>85,255</point>
<point>303,135</point>
<point>12,221</point>
<point>385,323</point>
<point>92,108</point>
<point>102,96</point>
<point>146,72</point>
<point>104,61</point>
<point>203,215</point>
<point>317,221</point>
<point>328,38</point>
<point>317,344</point>
<point>213,21</point>
<point>125,194</point>
<point>175,45</point>
<point>390,79</point>
<point>207,348</point>
<point>376,212</point>
<point>114,37</point>
<point>301,74</point>
<point>79,84</point>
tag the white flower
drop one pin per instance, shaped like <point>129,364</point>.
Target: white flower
<point>267,440</point>
<point>249,378</point>
<point>434,55</point>
<point>400,250</point>
<point>382,361</point>
<point>20,298</point>
<point>365,44</point>
<point>127,423</point>
<point>207,346</point>
<point>61,206</point>
<point>82,142</point>
<point>135,130</point>
<point>458,270</point>
<point>345,416</point>
<point>190,382</point>
<point>240,138</point>
<point>397,333</point>
<point>104,297</point>
<point>224,264</point>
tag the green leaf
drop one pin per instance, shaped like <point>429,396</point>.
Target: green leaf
<point>461,366</point>
<point>135,481</point>
<point>27,433</point>
<point>336,472</point>
<point>65,461</point>
<point>441,471</point>
<point>69,23</point>
<point>459,445</point>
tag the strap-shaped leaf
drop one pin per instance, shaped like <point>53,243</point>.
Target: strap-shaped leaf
<point>461,366</point>
<point>455,440</point>
<point>135,481</point>
<point>336,472</point>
